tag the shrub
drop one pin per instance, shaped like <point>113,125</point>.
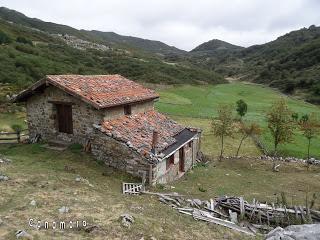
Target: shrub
<point>24,40</point>
<point>4,38</point>
<point>16,127</point>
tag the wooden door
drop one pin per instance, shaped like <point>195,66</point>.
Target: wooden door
<point>181,159</point>
<point>64,117</point>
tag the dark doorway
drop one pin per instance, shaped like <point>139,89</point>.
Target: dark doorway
<point>181,159</point>
<point>64,117</point>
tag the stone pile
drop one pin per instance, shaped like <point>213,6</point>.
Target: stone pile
<point>290,159</point>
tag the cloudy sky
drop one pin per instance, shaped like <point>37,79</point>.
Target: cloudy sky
<point>182,23</point>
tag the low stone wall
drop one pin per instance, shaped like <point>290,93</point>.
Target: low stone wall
<point>116,154</point>
<point>290,159</point>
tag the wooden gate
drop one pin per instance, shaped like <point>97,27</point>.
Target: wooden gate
<point>132,188</point>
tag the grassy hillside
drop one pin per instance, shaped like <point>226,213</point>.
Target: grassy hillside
<point>37,53</point>
<point>290,63</point>
<point>198,104</point>
<point>109,38</point>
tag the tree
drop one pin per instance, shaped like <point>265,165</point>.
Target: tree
<point>310,128</point>
<point>223,124</point>
<point>242,108</point>
<point>280,124</point>
<point>252,129</point>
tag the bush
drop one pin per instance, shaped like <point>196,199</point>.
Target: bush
<point>16,127</point>
<point>4,38</point>
<point>24,40</point>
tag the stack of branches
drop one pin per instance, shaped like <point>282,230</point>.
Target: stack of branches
<point>237,214</point>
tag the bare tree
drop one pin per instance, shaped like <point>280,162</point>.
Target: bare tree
<point>310,128</point>
<point>280,124</point>
<point>252,129</point>
<point>223,124</point>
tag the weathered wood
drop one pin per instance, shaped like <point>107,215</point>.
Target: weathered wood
<point>162,194</point>
<point>221,222</point>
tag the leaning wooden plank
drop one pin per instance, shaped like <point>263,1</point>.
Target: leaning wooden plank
<point>217,212</point>
<point>162,194</point>
<point>224,223</point>
<point>184,212</point>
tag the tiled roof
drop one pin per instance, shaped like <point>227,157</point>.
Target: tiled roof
<point>99,90</point>
<point>137,130</point>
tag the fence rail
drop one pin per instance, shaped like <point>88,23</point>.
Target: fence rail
<point>19,136</point>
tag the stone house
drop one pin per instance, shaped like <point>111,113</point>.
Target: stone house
<point>115,119</point>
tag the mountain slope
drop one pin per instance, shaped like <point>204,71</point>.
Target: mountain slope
<point>156,47</point>
<point>109,38</point>
<point>27,54</point>
<point>290,63</point>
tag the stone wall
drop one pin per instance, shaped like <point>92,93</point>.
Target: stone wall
<point>165,176</point>
<point>41,115</point>
<point>118,155</point>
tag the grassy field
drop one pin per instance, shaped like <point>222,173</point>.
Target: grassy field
<point>198,104</point>
<point>48,177</point>
<point>40,174</point>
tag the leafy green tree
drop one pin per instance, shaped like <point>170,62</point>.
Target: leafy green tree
<point>310,128</point>
<point>4,38</point>
<point>223,125</point>
<point>280,124</point>
<point>241,108</point>
<point>251,129</point>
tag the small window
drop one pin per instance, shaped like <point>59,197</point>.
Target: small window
<point>127,110</point>
<point>170,161</point>
<point>190,144</point>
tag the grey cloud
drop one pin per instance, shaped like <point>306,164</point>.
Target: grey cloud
<point>182,23</point>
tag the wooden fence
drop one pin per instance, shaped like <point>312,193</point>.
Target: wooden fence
<point>13,137</point>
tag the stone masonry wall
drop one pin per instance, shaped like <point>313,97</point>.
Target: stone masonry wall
<point>165,176</point>
<point>41,115</point>
<point>118,155</point>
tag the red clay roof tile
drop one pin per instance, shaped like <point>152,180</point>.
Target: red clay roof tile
<point>137,130</point>
<point>103,90</point>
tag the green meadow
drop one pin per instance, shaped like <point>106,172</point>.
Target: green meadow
<point>197,105</point>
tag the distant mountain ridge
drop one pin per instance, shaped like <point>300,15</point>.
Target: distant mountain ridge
<point>216,45</point>
<point>98,36</point>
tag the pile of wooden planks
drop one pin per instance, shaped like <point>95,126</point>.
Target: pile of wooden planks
<point>237,214</point>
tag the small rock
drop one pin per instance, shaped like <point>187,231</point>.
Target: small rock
<point>4,178</point>
<point>127,220</point>
<point>274,232</point>
<point>22,234</point>
<point>78,179</point>
<point>64,209</point>
<point>33,203</point>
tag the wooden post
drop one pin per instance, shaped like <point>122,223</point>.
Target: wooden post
<point>143,180</point>
<point>18,137</point>
<point>150,174</point>
<point>241,208</point>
